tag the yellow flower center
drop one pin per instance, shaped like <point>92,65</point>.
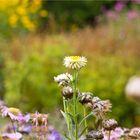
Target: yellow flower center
<point>75,58</point>
<point>15,111</point>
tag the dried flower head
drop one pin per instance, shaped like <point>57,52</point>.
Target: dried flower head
<point>86,97</point>
<point>135,133</point>
<point>94,135</point>
<point>75,62</point>
<point>39,122</point>
<point>101,107</point>
<point>95,100</point>
<point>63,79</point>
<point>39,119</point>
<point>67,92</point>
<point>110,124</point>
<point>13,113</point>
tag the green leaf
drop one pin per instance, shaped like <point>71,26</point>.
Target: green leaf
<point>65,116</point>
<point>65,137</point>
<point>71,117</point>
<point>83,131</point>
<point>91,113</point>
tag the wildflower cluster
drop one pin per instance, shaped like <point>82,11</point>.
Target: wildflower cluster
<point>22,13</point>
<point>104,128</point>
<point>121,6</point>
<point>27,126</point>
<point>36,125</point>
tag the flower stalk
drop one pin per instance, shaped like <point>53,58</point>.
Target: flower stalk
<point>109,134</point>
<point>85,121</point>
<point>75,104</point>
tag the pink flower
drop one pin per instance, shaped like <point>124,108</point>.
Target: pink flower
<point>111,15</point>
<point>24,118</point>
<point>115,134</point>
<point>132,14</point>
<point>119,6</point>
<point>136,1</point>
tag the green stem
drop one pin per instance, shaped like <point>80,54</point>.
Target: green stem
<point>75,104</point>
<point>109,134</point>
<point>68,120</point>
<point>85,114</point>
<point>64,104</point>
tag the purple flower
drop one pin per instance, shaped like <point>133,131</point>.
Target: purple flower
<point>54,135</point>
<point>132,14</point>
<point>10,128</point>
<point>13,113</point>
<point>119,6</point>
<point>24,118</point>
<point>25,129</point>
<point>12,136</point>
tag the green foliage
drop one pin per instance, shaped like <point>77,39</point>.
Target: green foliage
<point>1,77</point>
<point>20,16</point>
<point>29,83</point>
<point>106,78</point>
<point>113,57</point>
<point>69,13</point>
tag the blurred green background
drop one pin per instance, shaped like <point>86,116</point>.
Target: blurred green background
<point>36,35</point>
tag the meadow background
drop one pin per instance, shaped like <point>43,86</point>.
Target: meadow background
<point>36,35</point>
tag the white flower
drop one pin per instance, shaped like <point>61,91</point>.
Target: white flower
<point>133,88</point>
<point>63,79</point>
<point>75,62</point>
<point>135,133</point>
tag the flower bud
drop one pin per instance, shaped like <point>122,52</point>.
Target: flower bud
<point>94,135</point>
<point>110,124</point>
<point>135,133</point>
<point>67,92</point>
<point>86,98</point>
<point>101,107</point>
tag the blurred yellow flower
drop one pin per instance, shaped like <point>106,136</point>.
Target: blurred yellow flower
<point>35,5</point>
<point>13,20</point>
<point>5,4</point>
<point>28,23</point>
<point>21,10</point>
<point>43,13</point>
